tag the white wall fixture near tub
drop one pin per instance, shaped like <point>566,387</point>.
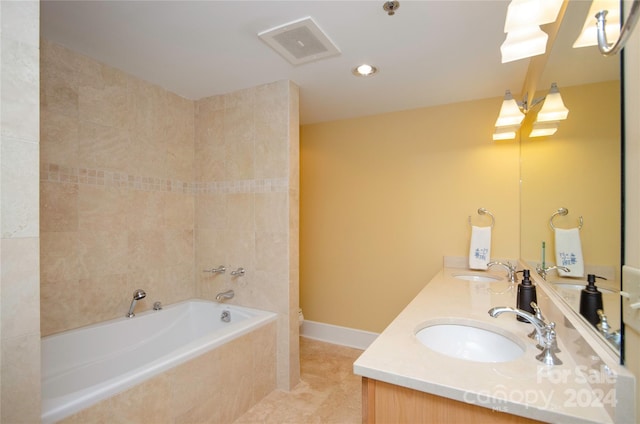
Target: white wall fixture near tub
<point>84,366</point>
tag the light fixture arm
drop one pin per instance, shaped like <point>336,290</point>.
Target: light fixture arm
<point>610,49</point>
<point>525,105</point>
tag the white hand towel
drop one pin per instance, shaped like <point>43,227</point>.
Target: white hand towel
<point>569,252</point>
<point>480,248</point>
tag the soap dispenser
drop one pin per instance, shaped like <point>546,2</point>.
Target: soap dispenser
<point>591,300</point>
<point>526,294</point>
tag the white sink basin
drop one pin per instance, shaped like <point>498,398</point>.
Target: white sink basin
<point>477,278</point>
<point>471,341</point>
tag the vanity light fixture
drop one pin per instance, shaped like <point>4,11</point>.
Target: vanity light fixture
<point>589,34</point>
<point>607,21</point>
<point>525,38</point>
<point>553,108</point>
<point>505,133</point>
<point>512,114</point>
<point>603,44</point>
<point>543,129</point>
<point>523,43</point>
<point>364,70</point>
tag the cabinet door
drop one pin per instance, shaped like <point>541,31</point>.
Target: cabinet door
<point>384,403</point>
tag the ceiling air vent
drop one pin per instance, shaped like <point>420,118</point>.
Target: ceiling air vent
<point>300,41</point>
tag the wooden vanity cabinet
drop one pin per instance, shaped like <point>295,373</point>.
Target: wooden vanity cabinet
<point>384,403</point>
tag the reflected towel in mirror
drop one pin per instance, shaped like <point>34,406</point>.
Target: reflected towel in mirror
<point>569,252</point>
<point>480,248</point>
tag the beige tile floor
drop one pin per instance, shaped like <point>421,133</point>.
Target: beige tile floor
<point>329,392</point>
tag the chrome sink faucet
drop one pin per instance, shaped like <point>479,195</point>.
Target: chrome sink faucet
<point>543,271</point>
<point>220,297</point>
<point>511,270</point>
<point>545,332</point>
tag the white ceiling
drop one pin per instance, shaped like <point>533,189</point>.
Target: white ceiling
<point>429,53</point>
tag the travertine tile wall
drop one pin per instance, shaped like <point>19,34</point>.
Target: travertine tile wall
<point>19,250</point>
<point>143,189</point>
<point>117,192</point>
<point>250,137</point>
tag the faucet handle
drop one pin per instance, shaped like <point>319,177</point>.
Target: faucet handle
<point>603,326</point>
<point>239,272</point>
<point>548,355</point>
<point>537,314</point>
<point>537,311</point>
<point>220,270</point>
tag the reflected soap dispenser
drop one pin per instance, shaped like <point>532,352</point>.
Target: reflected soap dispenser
<point>526,294</point>
<point>591,300</point>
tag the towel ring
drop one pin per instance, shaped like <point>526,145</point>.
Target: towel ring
<point>563,212</point>
<point>483,211</point>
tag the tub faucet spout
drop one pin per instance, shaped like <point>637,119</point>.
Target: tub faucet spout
<point>137,295</point>
<point>225,295</point>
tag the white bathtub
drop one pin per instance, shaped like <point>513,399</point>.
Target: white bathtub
<point>84,366</point>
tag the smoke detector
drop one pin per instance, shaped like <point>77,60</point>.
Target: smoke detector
<point>300,41</point>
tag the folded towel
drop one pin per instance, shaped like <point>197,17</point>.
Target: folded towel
<point>480,248</point>
<point>569,252</point>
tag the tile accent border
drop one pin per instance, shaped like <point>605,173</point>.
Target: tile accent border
<point>64,174</point>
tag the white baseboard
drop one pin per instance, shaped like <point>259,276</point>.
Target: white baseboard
<point>336,334</point>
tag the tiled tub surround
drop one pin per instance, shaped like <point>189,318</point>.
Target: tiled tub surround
<point>141,188</point>
<point>92,364</point>
<point>584,389</point>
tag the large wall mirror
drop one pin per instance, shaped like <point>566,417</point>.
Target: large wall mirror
<point>578,169</point>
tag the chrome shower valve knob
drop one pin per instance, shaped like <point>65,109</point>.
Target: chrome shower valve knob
<point>220,270</point>
<point>238,272</point>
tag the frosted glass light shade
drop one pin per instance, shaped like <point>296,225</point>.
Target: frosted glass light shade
<point>541,129</point>
<point>523,43</point>
<point>553,108</point>
<point>549,11</point>
<point>588,36</point>
<point>510,113</point>
<point>526,13</point>
<point>505,133</point>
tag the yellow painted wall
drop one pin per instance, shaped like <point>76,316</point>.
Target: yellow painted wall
<point>384,197</point>
<point>577,168</point>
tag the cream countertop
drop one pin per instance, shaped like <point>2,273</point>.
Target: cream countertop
<point>524,386</point>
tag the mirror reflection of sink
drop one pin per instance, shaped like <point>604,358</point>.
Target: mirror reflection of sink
<point>478,278</point>
<point>471,341</point>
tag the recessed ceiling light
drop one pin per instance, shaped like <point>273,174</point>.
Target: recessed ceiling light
<point>364,70</point>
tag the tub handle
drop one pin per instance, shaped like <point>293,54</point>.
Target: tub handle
<point>239,272</point>
<point>220,270</point>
